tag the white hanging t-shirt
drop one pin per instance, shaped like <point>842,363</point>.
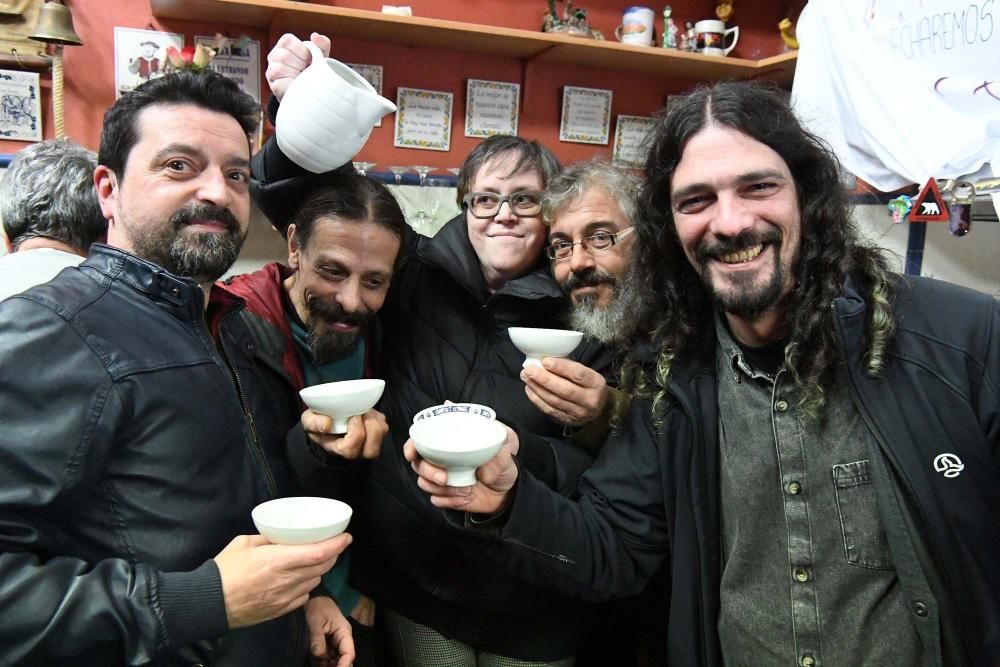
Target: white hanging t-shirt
<point>902,90</point>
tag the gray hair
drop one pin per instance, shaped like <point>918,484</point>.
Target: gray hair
<point>580,177</point>
<point>48,191</point>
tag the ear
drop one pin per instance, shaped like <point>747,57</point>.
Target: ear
<point>106,183</point>
<point>293,248</point>
<point>8,246</point>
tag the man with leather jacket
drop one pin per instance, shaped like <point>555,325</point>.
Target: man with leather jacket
<point>137,432</point>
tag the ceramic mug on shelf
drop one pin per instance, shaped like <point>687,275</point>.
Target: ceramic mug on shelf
<point>327,114</point>
<point>636,27</point>
<point>711,35</point>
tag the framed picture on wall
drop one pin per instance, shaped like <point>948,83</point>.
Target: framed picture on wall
<point>373,75</point>
<point>423,119</point>
<point>491,107</point>
<point>586,115</point>
<point>20,106</point>
<point>632,140</point>
<point>238,60</point>
<point>141,55</point>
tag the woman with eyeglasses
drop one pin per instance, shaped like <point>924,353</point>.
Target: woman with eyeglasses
<point>441,600</point>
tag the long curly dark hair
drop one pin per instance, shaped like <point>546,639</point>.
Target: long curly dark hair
<point>674,310</point>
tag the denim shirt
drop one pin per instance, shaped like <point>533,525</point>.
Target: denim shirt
<point>807,575</point>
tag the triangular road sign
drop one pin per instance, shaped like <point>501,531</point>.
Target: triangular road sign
<point>929,206</point>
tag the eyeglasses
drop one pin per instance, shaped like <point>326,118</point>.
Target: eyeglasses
<point>487,204</point>
<point>599,242</point>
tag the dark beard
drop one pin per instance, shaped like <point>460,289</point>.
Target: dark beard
<point>203,256</point>
<point>326,344</point>
<point>743,299</point>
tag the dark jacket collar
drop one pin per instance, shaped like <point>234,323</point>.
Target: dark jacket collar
<point>451,251</point>
<point>146,277</point>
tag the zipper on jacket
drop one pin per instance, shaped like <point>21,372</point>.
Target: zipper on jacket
<point>559,557</point>
<point>258,449</point>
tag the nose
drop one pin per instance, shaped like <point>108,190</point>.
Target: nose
<point>505,213</point>
<point>349,296</point>
<point>580,259</point>
<point>732,216</point>
<point>213,188</point>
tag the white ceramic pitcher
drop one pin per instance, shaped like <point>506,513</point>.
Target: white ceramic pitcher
<point>327,114</point>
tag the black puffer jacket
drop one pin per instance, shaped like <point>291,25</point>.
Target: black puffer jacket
<point>446,339</point>
<point>127,461</point>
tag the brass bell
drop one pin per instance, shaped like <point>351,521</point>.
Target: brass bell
<point>55,25</point>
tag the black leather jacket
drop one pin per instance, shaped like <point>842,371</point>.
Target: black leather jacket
<point>127,461</point>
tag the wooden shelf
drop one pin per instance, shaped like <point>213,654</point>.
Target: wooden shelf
<point>536,47</point>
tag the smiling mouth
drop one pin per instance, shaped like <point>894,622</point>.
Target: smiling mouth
<point>742,256</point>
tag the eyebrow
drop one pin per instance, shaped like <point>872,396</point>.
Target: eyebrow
<point>588,230</point>
<point>742,179</point>
<point>333,263</point>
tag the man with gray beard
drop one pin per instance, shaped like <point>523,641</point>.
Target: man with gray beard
<point>589,208</point>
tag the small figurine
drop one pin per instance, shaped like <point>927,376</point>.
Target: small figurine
<point>669,29</point>
<point>573,21</point>
<point>788,34</point>
<point>899,208</point>
<point>692,41</point>
<point>724,10</point>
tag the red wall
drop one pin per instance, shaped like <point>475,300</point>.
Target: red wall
<point>89,69</point>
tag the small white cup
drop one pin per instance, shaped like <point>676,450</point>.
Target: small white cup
<point>636,27</point>
<point>538,343</point>
<point>342,400</point>
<point>459,442</point>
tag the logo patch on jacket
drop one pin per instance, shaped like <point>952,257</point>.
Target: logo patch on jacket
<point>948,465</point>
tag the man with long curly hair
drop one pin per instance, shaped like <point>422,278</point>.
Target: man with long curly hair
<point>812,452</point>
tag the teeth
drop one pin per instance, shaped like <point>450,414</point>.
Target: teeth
<point>743,255</point>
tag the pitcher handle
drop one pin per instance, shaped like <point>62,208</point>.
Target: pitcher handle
<point>315,52</point>
<point>735,31</point>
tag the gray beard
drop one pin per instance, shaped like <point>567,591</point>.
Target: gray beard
<point>603,324</point>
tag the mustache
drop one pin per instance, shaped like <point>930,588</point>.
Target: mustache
<point>588,278</point>
<point>205,212</point>
<point>331,310</point>
<point>742,241</point>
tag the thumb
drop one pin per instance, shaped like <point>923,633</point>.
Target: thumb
<point>317,640</point>
<point>257,540</point>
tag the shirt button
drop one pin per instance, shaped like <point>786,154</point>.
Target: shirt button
<point>920,609</point>
<point>801,575</point>
<point>781,406</point>
<point>794,488</point>
<point>808,661</point>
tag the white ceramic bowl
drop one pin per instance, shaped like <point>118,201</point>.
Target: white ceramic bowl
<point>538,343</point>
<point>343,400</point>
<point>460,408</point>
<point>301,519</point>
<point>459,442</point>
